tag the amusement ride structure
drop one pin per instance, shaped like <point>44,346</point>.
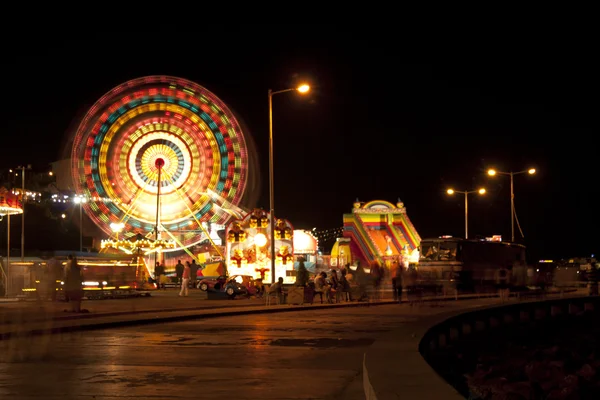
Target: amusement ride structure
<point>377,231</point>
<point>159,159</point>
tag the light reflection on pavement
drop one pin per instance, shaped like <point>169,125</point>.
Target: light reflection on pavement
<point>293,355</point>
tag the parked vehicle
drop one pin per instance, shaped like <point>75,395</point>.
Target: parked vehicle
<point>236,285</point>
<point>211,283</point>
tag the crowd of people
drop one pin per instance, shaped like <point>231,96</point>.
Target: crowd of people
<point>186,274</point>
<point>335,285</point>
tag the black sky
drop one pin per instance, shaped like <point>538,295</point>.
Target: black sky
<point>382,122</point>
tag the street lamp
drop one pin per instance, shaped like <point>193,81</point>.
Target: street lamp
<point>304,88</point>
<point>80,200</point>
<point>493,172</point>
<point>23,169</point>
<point>466,193</point>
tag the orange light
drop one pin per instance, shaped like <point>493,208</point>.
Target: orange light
<point>304,88</point>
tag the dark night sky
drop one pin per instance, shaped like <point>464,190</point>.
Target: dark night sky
<point>381,123</point>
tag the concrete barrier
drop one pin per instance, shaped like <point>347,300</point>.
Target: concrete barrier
<point>399,367</point>
<point>479,322</point>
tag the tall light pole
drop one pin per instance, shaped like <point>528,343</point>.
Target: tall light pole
<point>23,169</point>
<point>466,193</point>
<point>493,172</point>
<point>80,200</point>
<point>300,89</point>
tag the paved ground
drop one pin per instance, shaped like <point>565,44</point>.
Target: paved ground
<point>24,316</point>
<point>313,354</point>
<point>19,311</point>
<point>210,349</point>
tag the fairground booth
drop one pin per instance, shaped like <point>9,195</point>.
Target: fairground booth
<point>249,247</point>
<point>306,247</point>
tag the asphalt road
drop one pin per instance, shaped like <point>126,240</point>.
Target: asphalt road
<point>314,354</point>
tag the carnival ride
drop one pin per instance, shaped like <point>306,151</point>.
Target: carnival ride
<point>379,231</point>
<point>158,159</point>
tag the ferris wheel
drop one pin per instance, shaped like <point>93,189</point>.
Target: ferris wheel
<point>160,153</point>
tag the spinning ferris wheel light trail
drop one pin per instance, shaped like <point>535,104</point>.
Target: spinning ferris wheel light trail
<point>159,163</point>
<point>166,121</point>
<point>200,225</point>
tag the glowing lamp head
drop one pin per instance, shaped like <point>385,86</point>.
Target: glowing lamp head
<point>260,239</point>
<point>531,171</point>
<point>491,172</point>
<point>481,191</point>
<point>304,88</point>
<point>450,191</point>
<point>117,226</point>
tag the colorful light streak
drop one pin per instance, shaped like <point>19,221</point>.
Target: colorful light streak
<point>139,121</point>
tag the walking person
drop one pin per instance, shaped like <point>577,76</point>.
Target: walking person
<point>179,271</point>
<point>159,276</point>
<point>377,278</point>
<point>503,284</point>
<point>73,284</point>
<point>194,272</point>
<point>413,291</point>
<point>55,275</point>
<point>360,278</point>
<point>185,280</point>
<point>397,282</point>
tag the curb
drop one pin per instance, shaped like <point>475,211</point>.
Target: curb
<point>187,317</point>
<point>84,317</point>
<point>117,313</point>
<point>178,318</point>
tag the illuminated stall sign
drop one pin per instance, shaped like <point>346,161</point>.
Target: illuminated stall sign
<point>248,246</point>
<point>305,242</point>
